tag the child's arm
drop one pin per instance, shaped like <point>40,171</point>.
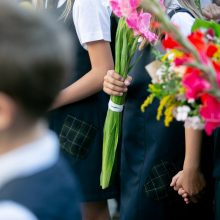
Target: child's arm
<point>191,179</point>
<point>92,82</point>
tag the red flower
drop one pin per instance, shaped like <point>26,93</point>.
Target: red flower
<point>210,112</point>
<point>197,39</point>
<point>211,50</point>
<point>210,34</point>
<point>217,70</point>
<point>194,84</point>
<point>169,43</point>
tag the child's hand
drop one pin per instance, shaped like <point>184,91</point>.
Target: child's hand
<point>114,84</point>
<point>178,188</point>
<point>189,184</point>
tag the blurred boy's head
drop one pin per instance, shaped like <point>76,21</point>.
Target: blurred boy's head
<point>34,58</point>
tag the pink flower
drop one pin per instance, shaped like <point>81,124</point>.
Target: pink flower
<point>124,7</point>
<point>194,84</point>
<point>132,21</point>
<point>134,3</point>
<point>140,23</point>
<point>137,20</point>
<point>115,5</point>
<point>210,112</point>
<point>179,61</point>
<point>144,26</point>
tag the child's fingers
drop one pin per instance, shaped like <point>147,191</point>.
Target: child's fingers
<point>111,92</point>
<point>114,75</point>
<point>186,200</point>
<point>109,79</point>
<point>128,80</point>
<point>174,180</point>
<point>181,191</point>
<point>185,195</point>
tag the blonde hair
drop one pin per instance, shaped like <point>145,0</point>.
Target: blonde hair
<point>41,4</point>
<point>192,7</point>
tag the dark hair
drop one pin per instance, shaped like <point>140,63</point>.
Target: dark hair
<point>34,58</point>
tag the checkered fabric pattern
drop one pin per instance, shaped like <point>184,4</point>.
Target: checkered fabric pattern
<point>157,185</point>
<point>76,136</point>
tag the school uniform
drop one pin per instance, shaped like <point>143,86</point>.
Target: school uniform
<point>217,173</point>
<point>151,155</point>
<point>37,184</point>
<point>80,125</point>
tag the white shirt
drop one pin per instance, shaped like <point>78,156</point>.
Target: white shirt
<point>92,20</point>
<point>182,20</point>
<point>24,161</point>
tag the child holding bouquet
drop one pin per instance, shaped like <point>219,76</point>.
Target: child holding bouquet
<point>188,186</point>
<point>151,154</point>
<point>80,109</point>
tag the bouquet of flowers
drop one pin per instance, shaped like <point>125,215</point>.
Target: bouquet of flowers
<point>134,25</point>
<point>187,83</point>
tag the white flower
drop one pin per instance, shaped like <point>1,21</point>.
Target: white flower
<point>191,101</point>
<point>171,56</point>
<point>182,113</point>
<point>160,72</point>
<point>194,122</point>
<point>180,97</point>
<point>140,39</point>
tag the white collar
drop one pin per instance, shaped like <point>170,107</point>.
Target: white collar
<point>60,3</point>
<point>171,4</point>
<point>30,158</point>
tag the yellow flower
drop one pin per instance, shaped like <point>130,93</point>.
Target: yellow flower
<point>147,102</point>
<point>170,55</point>
<point>169,115</point>
<point>163,103</point>
<point>217,54</point>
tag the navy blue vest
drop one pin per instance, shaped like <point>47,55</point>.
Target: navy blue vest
<point>217,154</point>
<point>51,194</point>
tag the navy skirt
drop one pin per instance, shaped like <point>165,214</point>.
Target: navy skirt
<point>80,129</point>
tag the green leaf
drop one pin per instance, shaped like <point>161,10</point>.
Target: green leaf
<point>202,24</point>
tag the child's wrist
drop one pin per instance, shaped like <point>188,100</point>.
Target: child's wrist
<point>191,168</point>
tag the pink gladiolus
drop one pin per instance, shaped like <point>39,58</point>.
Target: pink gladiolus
<point>124,7</point>
<point>134,3</point>
<point>115,5</point>
<point>144,26</point>
<point>132,21</point>
<point>210,112</point>
<point>194,84</point>
<point>140,23</point>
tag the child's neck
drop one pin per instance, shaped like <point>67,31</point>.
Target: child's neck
<point>15,139</point>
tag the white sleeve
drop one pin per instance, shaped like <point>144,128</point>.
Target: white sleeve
<point>13,211</point>
<point>183,21</point>
<point>92,20</point>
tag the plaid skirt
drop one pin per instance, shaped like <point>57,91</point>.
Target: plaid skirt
<point>80,130</point>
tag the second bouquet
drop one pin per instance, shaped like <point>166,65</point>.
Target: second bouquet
<point>134,26</point>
